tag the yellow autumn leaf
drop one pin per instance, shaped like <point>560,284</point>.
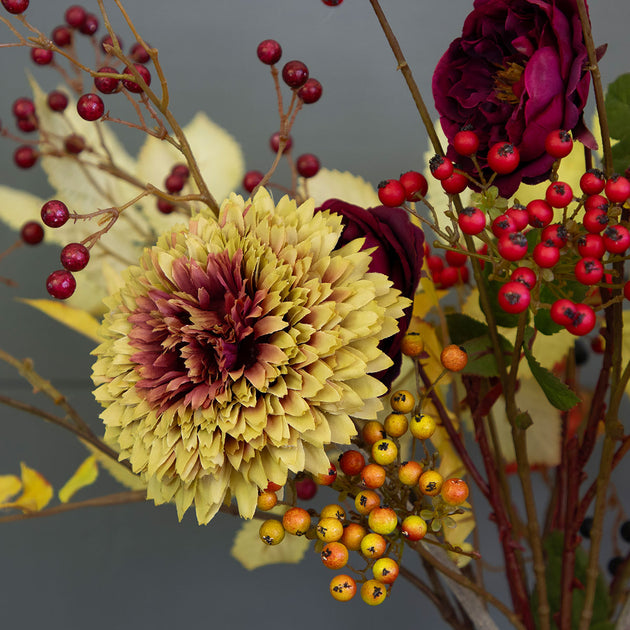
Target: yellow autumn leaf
<point>74,318</point>
<point>252,552</point>
<point>10,485</point>
<point>427,298</point>
<point>85,475</point>
<point>333,184</point>
<point>36,492</point>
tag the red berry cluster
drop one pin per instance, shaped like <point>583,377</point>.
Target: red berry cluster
<point>174,184</point>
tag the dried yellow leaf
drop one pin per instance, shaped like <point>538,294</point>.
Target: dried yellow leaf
<point>85,475</point>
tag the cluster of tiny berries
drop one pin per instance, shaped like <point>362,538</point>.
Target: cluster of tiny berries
<point>295,74</point>
<point>523,242</point>
<point>618,561</point>
<point>393,501</point>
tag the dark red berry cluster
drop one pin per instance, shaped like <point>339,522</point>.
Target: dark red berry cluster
<point>174,184</point>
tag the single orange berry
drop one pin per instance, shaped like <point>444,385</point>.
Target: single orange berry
<point>333,511</point>
<point>329,529</point>
<point>422,426</point>
<point>373,592</point>
<point>366,501</point>
<point>454,358</point>
<point>384,452</point>
<point>353,534</point>
<point>409,473</point>
<point>328,478</point>
<point>351,462</point>
<point>373,475</point>
<point>334,555</point>
<point>430,483</point>
<point>266,500</point>
<point>413,527</point>
<point>296,521</point>
<point>402,401</point>
<point>454,491</point>
<point>373,431</point>
<point>343,588</point>
<point>396,424</point>
<point>385,570</point>
<point>382,520</point>
<point>373,546</point>
<point>271,532</point>
<point>412,344</point>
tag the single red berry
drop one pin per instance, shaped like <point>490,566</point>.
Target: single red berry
<point>311,91</point>
<point>466,142</point>
<point>107,85</point>
<point>525,276</point>
<point>74,144</point>
<point>589,271</point>
<point>138,53</point>
<point>591,246</point>
<point>165,207</point>
<point>540,213</point>
<point>558,144</point>
<point>25,156</point>
<point>274,142</point>
<point>514,297</point>
<point>57,101</point>
<point>90,107</point>
<point>305,488</point>
<point>456,259</point>
<point>351,462</point>
<point>441,167</point>
<point>595,221</point>
<point>434,263</point>
<point>596,202</point>
<point>61,284</point>
<point>332,3</point>
<point>391,193</point>
<point>269,51</point>
<point>617,188</point>
<point>556,233</point>
<point>144,73</point>
<point>455,183</point>
<point>15,6</point>
<point>562,312</point>
<point>546,254</point>
<point>75,15</point>
<point>519,215</point>
<point>89,25</point>
<point>251,180</point>
<point>62,36</point>
<point>616,239</point>
<point>592,182</point>
<point>54,213</point>
<point>583,320</point>
<point>27,125</point>
<point>75,256</point>
<point>504,224</point>
<point>41,56</point>
<point>559,195</point>
<point>598,344</point>
<point>471,220</point>
<point>108,40</point>
<point>503,158</point>
<point>174,183</point>
<point>295,74</point>
<point>415,185</point>
<point>449,277</point>
<point>307,165</point>
<point>32,233</point>
<point>512,246</point>
<point>23,107</point>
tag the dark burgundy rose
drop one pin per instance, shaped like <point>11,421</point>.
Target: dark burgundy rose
<point>398,254</point>
<point>517,72</point>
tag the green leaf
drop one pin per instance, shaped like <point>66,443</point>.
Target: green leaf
<point>618,112</point>
<point>557,393</point>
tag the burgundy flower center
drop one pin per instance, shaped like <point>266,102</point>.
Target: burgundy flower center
<point>508,83</point>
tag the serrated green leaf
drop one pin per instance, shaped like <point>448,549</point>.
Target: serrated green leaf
<point>618,112</point>
<point>621,155</point>
<point>560,395</point>
<point>523,420</point>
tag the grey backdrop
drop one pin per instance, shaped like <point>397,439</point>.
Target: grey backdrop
<point>136,566</point>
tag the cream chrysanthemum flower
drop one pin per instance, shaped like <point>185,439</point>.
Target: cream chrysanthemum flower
<point>240,349</point>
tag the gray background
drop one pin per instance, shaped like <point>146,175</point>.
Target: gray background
<point>135,566</point>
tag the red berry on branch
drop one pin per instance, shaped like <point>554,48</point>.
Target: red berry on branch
<point>332,3</point>
<point>251,180</point>
<point>108,40</point>
<point>107,85</point>
<point>415,185</point>
<point>25,156</point>
<point>456,258</point>
<point>295,74</point>
<point>471,220</point>
<point>62,36</point>
<point>518,214</point>
<point>307,165</point>
<point>441,167</point>
<point>556,233</point>
<point>75,256</point>
<point>61,284</point>
<point>616,239</point>
<point>504,224</point>
<point>90,24</point>
<point>75,15</point>
<point>514,297</point>
<point>434,263</point>
<point>41,56</point>
<point>55,213</point>
<point>591,246</point>
<point>90,107</point>
<point>558,144</point>
<point>592,182</point>
<point>562,312</point>
<point>174,183</point>
<point>57,101</point>
<point>165,207</point>
<point>455,183</point>
<point>23,107</point>
<point>559,195</point>
<point>466,142</point>
<point>512,246</point>
<point>583,320</point>
<point>311,91</point>
<point>27,125</point>
<point>525,276</point>
<point>503,158</point>
<point>32,233</point>
<point>617,188</point>
<point>15,6</point>
<point>596,202</point>
<point>589,271</point>
<point>546,254</point>
<point>131,84</point>
<point>305,488</point>
<point>181,170</point>
<point>138,53</point>
<point>391,193</point>
<point>595,220</point>
<point>351,462</point>
<point>74,144</point>
<point>540,213</point>
<point>269,51</point>
<point>274,142</point>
